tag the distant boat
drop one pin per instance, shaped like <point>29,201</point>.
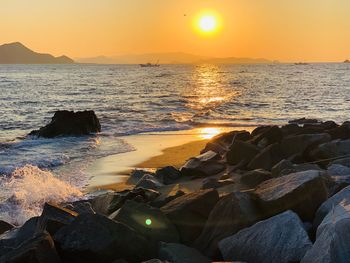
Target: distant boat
<point>301,63</point>
<point>150,65</point>
<point>347,61</point>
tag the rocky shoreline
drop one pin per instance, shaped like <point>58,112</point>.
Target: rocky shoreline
<point>277,194</point>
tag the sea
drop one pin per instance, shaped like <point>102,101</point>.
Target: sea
<point>129,100</point>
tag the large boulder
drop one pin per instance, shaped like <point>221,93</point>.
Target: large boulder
<point>255,177</point>
<point>241,152</point>
<point>327,206</point>
<point>332,238</point>
<point>301,192</point>
<point>146,220</point>
<point>149,181</point>
<point>342,161</point>
<point>342,132</point>
<point>95,238</point>
<point>338,170</point>
<point>267,158</point>
<point>281,238</point>
<point>333,149</point>
<point>209,183</point>
<point>190,212</point>
<point>39,249</point>
<point>178,253</point>
<point>70,123</point>
<point>204,165</point>
<point>232,213</point>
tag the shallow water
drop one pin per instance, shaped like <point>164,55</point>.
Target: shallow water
<point>129,99</point>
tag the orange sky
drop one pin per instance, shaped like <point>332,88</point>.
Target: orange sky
<point>286,30</point>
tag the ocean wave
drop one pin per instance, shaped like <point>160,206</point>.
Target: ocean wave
<point>27,189</point>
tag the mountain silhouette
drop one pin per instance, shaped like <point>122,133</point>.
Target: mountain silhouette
<point>17,53</point>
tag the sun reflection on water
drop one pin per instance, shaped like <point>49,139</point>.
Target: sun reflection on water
<point>209,132</point>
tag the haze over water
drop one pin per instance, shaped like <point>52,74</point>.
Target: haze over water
<point>129,99</point>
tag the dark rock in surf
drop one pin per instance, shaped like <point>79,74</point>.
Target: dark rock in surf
<point>301,192</point>
<point>281,238</point>
<point>342,132</point>
<point>95,238</point>
<point>190,212</point>
<point>146,220</point>
<point>303,121</point>
<point>70,123</point>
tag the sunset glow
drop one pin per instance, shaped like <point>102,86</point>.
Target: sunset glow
<point>207,23</point>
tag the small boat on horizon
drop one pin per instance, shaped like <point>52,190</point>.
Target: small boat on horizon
<point>346,61</point>
<point>301,63</point>
<point>150,65</point>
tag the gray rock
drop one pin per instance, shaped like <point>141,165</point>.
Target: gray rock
<point>267,158</point>
<point>95,238</point>
<point>137,174</point>
<point>149,181</point>
<point>281,238</point>
<point>40,249</point>
<point>338,170</point>
<point>146,220</point>
<point>161,202</point>
<point>204,165</point>
<point>232,213</point>
<point>168,175</point>
<point>327,206</point>
<point>190,212</point>
<point>241,152</point>
<point>255,177</point>
<point>333,149</point>
<point>332,238</point>
<point>301,192</point>
<point>178,253</point>
<point>80,207</point>
<point>269,136</point>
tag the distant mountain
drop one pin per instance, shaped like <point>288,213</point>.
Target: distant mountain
<point>169,58</point>
<point>17,53</point>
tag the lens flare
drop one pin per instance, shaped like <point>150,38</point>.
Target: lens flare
<point>148,222</point>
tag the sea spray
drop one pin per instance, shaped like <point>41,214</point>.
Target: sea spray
<point>27,190</point>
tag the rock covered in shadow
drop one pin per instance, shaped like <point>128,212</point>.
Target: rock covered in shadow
<point>268,136</point>
<point>40,249</point>
<point>255,177</point>
<point>332,238</point>
<point>342,132</point>
<point>146,220</point>
<point>304,121</point>
<point>161,202</point>
<point>95,238</point>
<point>301,192</point>
<point>70,123</point>
<point>281,238</point>
<point>178,253</point>
<point>204,165</point>
<point>190,212</point>
<point>342,161</point>
<point>168,175</point>
<point>241,153</point>
<point>149,181</point>
<point>232,213</point>
<point>4,226</point>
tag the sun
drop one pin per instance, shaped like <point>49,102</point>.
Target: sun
<point>207,23</point>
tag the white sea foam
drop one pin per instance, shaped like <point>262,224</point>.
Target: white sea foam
<point>27,190</point>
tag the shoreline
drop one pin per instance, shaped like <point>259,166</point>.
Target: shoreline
<point>152,151</point>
